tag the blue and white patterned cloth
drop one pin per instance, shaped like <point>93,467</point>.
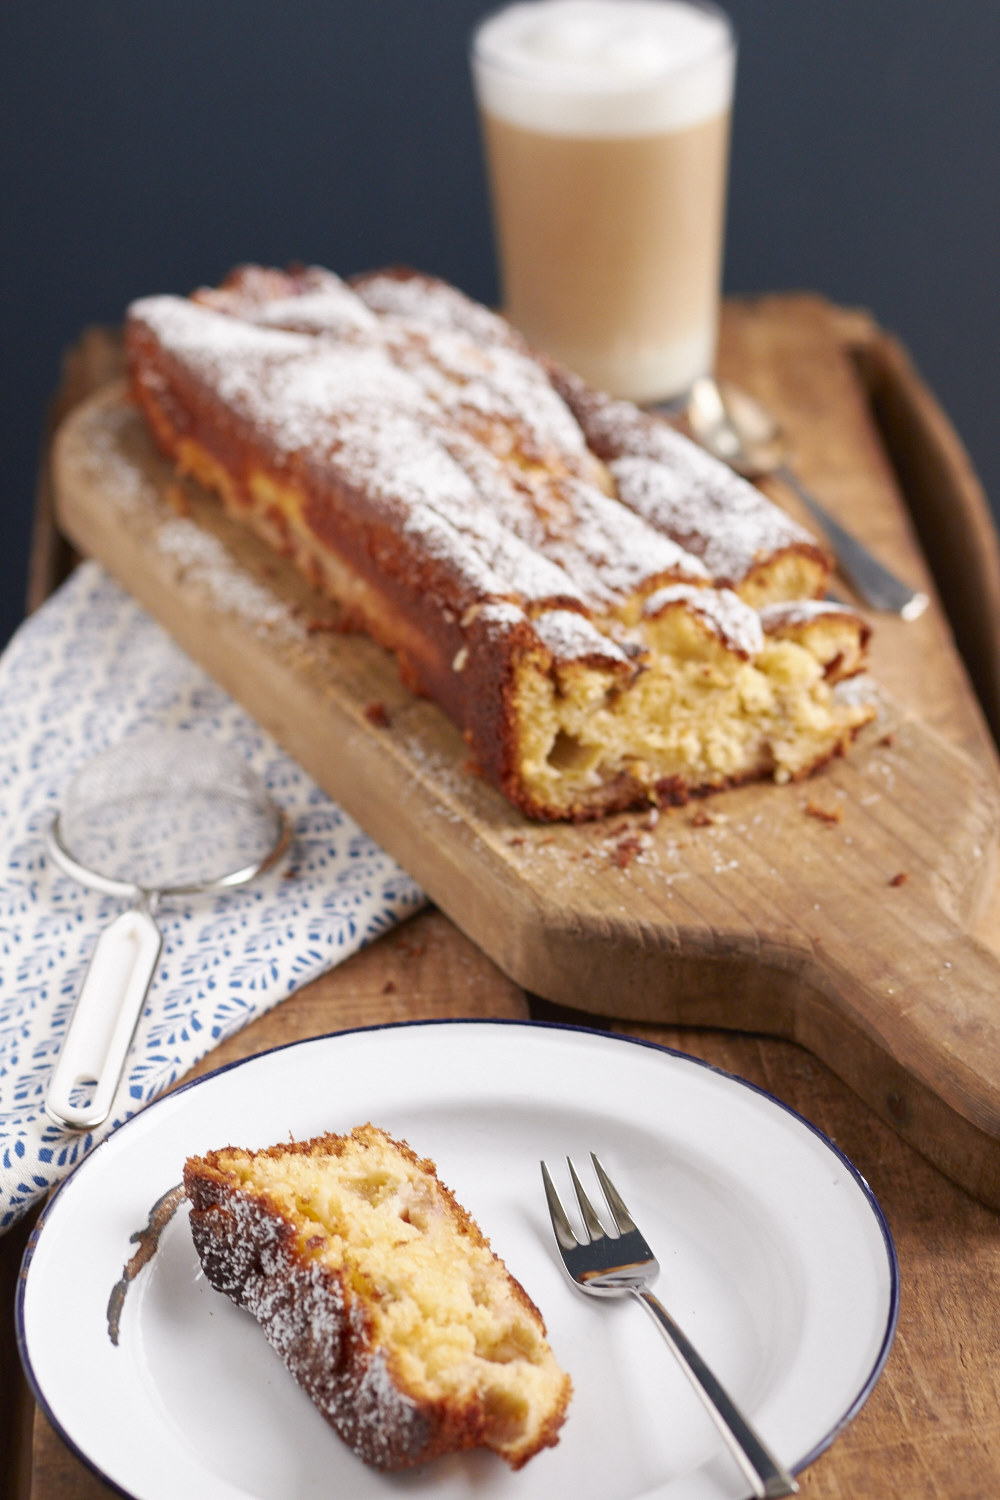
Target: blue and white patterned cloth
<point>87,670</point>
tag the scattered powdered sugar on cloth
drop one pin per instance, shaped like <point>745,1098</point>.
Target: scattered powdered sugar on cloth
<point>85,672</point>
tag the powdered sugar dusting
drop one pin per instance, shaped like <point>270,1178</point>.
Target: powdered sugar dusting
<point>861,691</point>
<point>804,612</point>
<point>496,615</point>
<point>403,469</point>
<point>679,488</point>
<point>104,453</point>
<point>570,637</point>
<point>617,546</point>
<point>313,300</point>
<point>204,560</point>
<point>606,552</point>
<point>415,424</point>
<point>198,333</point>
<point>724,612</point>
<point>435,304</point>
<point>322,1335</point>
<point>716,515</point>
<point>330,312</point>
<point>454,350</point>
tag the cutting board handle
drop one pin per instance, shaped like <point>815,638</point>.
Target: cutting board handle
<point>917,1035</point>
<point>892,994</point>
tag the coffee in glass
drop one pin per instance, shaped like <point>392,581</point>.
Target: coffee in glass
<point>606,127</point>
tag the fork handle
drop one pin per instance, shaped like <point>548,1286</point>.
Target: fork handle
<point>767,1476</point>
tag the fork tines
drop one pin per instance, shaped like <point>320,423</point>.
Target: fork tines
<point>595,1229</point>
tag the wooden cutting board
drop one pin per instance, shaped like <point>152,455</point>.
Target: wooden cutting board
<point>836,912</point>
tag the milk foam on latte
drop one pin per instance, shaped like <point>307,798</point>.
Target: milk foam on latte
<point>598,67</point>
<point>606,125</point>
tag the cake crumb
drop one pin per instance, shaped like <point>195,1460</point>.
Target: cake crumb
<point>377,714</point>
<point>828,815</point>
<point>701,819</point>
<point>625,852</point>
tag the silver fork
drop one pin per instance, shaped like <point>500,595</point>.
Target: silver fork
<point>622,1264</point>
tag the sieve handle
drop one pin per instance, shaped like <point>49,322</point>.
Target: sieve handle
<point>104,1019</point>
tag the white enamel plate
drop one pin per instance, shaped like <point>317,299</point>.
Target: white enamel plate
<point>775,1260</point>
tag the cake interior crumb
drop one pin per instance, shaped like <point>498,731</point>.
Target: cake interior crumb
<point>443,1305</point>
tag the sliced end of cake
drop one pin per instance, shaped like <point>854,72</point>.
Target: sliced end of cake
<point>701,694</point>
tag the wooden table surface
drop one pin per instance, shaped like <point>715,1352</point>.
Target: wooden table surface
<point>862,422</point>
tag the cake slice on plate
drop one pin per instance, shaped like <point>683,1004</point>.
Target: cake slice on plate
<point>381,1295</point>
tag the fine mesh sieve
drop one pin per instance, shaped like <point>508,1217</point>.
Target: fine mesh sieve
<point>158,816</point>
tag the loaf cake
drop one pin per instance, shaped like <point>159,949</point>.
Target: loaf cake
<point>381,1295</point>
<point>581,589</point>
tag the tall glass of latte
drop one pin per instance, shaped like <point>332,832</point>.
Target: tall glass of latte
<point>606,126</point>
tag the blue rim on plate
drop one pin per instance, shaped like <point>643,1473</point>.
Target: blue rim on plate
<point>850,1410</point>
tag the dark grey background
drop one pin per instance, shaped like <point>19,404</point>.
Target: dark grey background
<point>148,145</point>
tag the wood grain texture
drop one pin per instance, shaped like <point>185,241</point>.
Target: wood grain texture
<point>836,912</point>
